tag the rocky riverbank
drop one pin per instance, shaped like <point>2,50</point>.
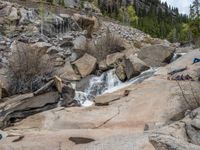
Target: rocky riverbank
<point>132,108</point>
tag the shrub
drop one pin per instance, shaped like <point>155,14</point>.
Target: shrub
<point>110,43</point>
<point>27,68</point>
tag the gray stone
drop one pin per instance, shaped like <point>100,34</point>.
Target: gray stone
<point>156,55</point>
<point>85,65</point>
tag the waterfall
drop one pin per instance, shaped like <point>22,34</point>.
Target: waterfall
<point>176,56</point>
<point>97,86</point>
<point>108,82</point>
<point>30,14</point>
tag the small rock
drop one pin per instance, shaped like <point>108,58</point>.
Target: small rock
<point>52,50</point>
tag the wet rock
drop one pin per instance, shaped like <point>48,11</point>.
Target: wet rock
<point>84,83</point>
<point>156,55</point>
<point>85,65</point>
<point>120,72</point>
<point>129,70</point>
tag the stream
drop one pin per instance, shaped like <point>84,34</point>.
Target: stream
<point>108,82</point>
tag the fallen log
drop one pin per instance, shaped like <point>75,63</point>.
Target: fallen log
<point>44,88</point>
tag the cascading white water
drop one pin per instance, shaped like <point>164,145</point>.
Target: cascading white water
<point>97,86</point>
<point>106,83</point>
<point>176,56</point>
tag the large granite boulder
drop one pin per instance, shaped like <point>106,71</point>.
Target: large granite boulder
<point>137,63</point>
<point>129,68</point>
<point>181,135</point>
<point>67,72</point>
<point>112,58</point>
<point>156,55</point>
<point>85,65</point>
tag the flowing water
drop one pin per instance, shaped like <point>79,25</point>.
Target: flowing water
<point>176,56</point>
<point>108,82</point>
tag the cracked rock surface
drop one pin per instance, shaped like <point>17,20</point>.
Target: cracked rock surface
<point>120,124</point>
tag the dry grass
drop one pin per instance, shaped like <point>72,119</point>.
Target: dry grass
<point>190,93</point>
<point>108,44</point>
<point>27,69</point>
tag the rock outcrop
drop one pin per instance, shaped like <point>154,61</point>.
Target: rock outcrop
<point>181,135</point>
<point>156,55</point>
<point>118,117</point>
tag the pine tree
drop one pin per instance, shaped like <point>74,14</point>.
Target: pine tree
<point>195,9</point>
<point>195,20</point>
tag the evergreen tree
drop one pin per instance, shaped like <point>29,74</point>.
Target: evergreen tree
<point>195,20</point>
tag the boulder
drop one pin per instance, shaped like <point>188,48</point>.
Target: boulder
<point>85,65</point>
<point>181,135</point>
<point>86,22</point>
<point>72,3</point>
<point>67,44</point>
<point>167,142</point>
<point>5,10</point>
<point>13,16</point>
<point>127,69</point>
<point>120,72</point>
<point>79,43</point>
<point>156,55</point>
<point>24,17</point>
<point>59,62</point>
<point>108,98</point>
<point>84,83</point>
<point>52,50</point>
<point>42,46</point>
<point>138,64</point>
<point>67,72</point>
<point>112,58</point>
<point>184,61</point>
<point>102,65</point>
<point>20,106</point>
<point>53,25</point>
